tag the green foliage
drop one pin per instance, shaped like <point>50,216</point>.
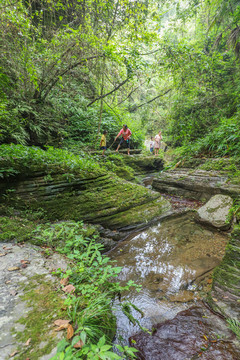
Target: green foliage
<point>15,228</point>
<point>89,352</point>
<point>221,141</point>
<point>234,325</point>
<point>59,58</point>
<point>53,235</point>
<point>25,160</point>
<point>235,210</point>
<point>89,307</point>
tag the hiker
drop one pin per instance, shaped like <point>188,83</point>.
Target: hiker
<point>126,134</point>
<point>103,142</point>
<point>157,142</point>
<point>151,144</point>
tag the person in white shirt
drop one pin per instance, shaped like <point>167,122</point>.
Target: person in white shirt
<point>157,142</point>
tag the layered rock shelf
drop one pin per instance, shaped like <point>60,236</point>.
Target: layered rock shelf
<point>103,199</point>
<point>195,184</point>
<point>144,164</point>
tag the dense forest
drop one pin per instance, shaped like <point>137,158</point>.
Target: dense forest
<point>70,69</point>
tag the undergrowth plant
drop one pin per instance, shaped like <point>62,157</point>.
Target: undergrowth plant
<point>89,305</point>
<point>224,140</point>
<point>234,212</point>
<point>234,325</point>
<point>17,160</point>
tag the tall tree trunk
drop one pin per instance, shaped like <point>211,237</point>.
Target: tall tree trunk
<point>101,103</point>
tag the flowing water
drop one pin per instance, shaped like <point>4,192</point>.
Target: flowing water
<point>173,263</point>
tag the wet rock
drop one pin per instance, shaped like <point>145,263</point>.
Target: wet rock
<point>195,184</point>
<point>193,333</point>
<point>183,296</point>
<point>12,307</point>
<point>144,164</point>
<point>216,212</point>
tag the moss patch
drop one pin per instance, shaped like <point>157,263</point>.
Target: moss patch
<point>21,161</point>
<point>45,306</point>
<point>227,274</point>
<point>139,215</point>
<point>143,164</point>
<point>89,200</point>
<point>15,228</point>
<point>116,164</point>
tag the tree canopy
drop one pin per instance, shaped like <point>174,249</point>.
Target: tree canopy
<point>71,68</point>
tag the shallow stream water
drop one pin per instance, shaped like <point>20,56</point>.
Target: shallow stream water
<point>168,260</point>
<point>173,263</point>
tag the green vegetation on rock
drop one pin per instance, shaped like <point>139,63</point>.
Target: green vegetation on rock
<point>24,161</point>
<point>46,305</point>
<point>16,228</point>
<point>67,187</point>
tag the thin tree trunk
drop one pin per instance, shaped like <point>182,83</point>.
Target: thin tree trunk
<point>101,103</point>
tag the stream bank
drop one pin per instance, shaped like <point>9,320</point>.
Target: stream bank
<point>178,262</point>
<point>173,259</point>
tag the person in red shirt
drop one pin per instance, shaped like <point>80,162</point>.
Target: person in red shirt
<point>126,134</point>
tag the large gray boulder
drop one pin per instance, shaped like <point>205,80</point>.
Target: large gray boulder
<point>216,212</point>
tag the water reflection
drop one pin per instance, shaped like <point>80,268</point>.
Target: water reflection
<point>166,260</point>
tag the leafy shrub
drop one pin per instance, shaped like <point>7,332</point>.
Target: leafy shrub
<point>25,160</point>
<point>224,140</point>
<point>89,306</point>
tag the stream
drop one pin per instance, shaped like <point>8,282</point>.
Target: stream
<point>173,261</point>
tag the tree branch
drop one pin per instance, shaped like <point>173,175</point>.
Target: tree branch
<point>53,82</point>
<point>151,52</point>
<point>132,91</point>
<point>134,108</point>
<point>110,92</point>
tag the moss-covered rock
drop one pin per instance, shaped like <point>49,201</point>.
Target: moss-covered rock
<point>45,306</point>
<point>229,167</point>
<point>105,199</point>
<point>15,228</point>
<point>196,184</point>
<point>216,212</point>
<point>144,164</point>
<point>226,279</point>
